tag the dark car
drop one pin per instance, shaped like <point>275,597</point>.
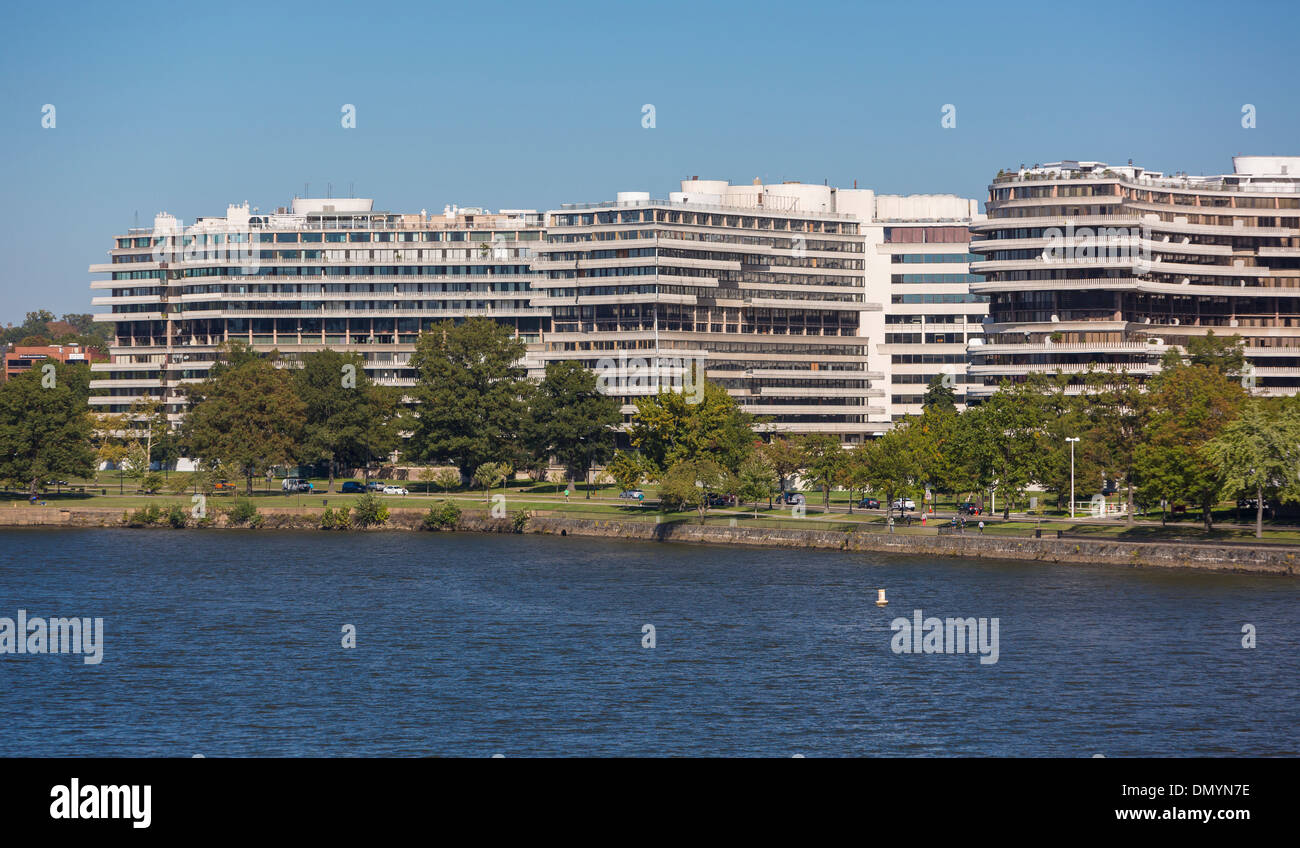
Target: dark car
<point>869,503</point>
<point>1251,504</point>
<point>352,487</point>
<point>722,500</point>
<point>968,508</point>
<point>790,498</point>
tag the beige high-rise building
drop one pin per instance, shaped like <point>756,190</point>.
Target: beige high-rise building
<point>760,285</point>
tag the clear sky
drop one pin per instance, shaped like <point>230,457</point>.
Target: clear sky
<point>187,107</point>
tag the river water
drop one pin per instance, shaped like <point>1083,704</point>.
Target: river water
<point>230,643</point>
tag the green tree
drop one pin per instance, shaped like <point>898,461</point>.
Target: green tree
<point>939,395</point>
<point>1190,404</point>
<point>755,481</point>
<point>248,419</point>
<point>628,470</point>
<point>671,427</point>
<point>785,456</point>
<point>689,483</point>
<point>935,443</point>
<point>571,420</point>
<point>1114,409</point>
<point>1257,453</point>
<point>147,419</point>
<point>889,462</point>
<point>490,474</point>
<point>854,474</point>
<point>348,420</point>
<point>473,394</point>
<point>35,324</point>
<point>1225,354</point>
<point>999,443</point>
<point>824,458</point>
<point>45,431</point>
<point>446,479</point>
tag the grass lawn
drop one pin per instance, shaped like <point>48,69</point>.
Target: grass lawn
<point>604,503</point>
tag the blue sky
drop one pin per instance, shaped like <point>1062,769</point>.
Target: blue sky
<point>163,107</point>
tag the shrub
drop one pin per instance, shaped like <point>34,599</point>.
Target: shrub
<point>244,512</point>
<point>369,510</point>
<point>445,516</point>
<point>335,519</point>
<point>520,520</point>
<point>177,517</point>
<point>145,516</point>
<point>151,482</point>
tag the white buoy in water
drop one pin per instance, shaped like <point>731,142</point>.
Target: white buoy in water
<point>880,598</point>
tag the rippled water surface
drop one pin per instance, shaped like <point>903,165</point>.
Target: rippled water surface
<point>227,643</point>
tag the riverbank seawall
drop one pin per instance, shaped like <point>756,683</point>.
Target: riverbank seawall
<point>1228,557</point>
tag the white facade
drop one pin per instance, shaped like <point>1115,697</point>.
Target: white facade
<point>918,267</point>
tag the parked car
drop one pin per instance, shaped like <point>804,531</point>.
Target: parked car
<point>722,500</point>
<point>869,503</point>
<point>790,498</point>
<point>296,484</point>
<point>903,503</point>
<point>224,486</point>
<point>352,487</point>
<point>968,508</point>
<point>1250,504</point>
<point>633,494</point>
<point>395,490</point>
<point>376,485</point>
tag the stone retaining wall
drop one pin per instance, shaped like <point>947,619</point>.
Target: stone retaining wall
<point>1236,557</point>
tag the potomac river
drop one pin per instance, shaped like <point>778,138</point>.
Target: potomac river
<point>231,643</point>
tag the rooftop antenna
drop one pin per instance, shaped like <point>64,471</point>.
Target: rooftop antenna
<point>351,191</point>
<point>306,189</point>
<point>329,190</point>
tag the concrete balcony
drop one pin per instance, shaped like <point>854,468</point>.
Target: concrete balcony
<point>1062,348</point>
<point>1064,368</point>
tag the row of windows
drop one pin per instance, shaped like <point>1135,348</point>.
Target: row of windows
<point>926,235</point>
<point>937,278</point>
<point>939,298</point>
<point>704,219</point>
<point>928,359</point>
<point>910,258</point>
<point>932,319</point>
<point>926,338</point>
<point>297,237</point>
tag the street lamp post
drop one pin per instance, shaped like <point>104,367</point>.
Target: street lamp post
<point>1072,440</point>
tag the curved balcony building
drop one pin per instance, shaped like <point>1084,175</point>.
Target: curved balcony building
<point>1087,264</point>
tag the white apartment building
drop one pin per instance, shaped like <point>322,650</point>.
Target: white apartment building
<point>918,266</point>
<point>323,273</point>
<point>822,310</point>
